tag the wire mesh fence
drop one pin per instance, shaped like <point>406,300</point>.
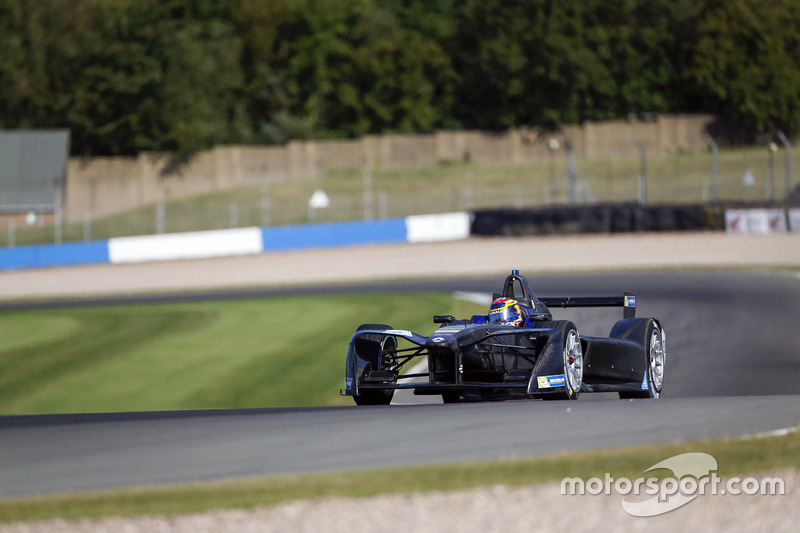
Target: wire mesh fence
<point>751,175</point>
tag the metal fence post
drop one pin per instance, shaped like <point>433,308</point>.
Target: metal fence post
<point>265,221</point>
<point>771,149</point>
<point>87,226</point>
<point>468,179</point>
<point>552,148</point>
<point>233,214</point>
<point>161,215</point>
<point>11,232</point>
<point>367,195</point>
<point>642,172</point>
<point>383,204</point>
<point>57,210</point>
<point>571,178</point>
<point>788,171</point>
<point>714,168</point>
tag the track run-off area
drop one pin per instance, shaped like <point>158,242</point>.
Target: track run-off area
<point>732,369</point>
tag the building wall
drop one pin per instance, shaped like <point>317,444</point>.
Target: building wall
<point>106,185</point>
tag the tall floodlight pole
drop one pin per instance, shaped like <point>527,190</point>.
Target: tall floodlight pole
<point>714,168</point>
<point>788,170</point>
<point>642,172</point>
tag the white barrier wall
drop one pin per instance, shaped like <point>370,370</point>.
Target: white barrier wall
<point>204,244</point>
<point>794,220</point>
<point>194,245</point>
<point>431,228</point>
<point>760,221</point>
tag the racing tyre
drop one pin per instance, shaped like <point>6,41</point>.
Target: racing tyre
<point>382,351</point>
<point>573,361</point>
<point>655,354</point>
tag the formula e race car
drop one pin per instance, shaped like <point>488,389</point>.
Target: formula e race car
<point>515,351</point>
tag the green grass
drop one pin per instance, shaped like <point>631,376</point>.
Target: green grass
<point>733,456</point>
<point>678,178</point>
<point>195,355</point>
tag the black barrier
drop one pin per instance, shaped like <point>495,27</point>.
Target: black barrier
<point>607,218</point>
<point>794,195</point>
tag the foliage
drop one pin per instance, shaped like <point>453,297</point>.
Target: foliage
<point>133,75</point>
<point>746,63</point>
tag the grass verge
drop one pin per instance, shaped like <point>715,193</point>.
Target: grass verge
<point>734,456</point>
<point>268,352</point>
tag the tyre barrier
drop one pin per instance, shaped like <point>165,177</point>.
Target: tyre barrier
<point>608,218</point>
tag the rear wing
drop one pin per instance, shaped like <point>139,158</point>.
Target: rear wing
<point>627,301</point>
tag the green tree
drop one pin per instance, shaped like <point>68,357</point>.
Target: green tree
<point>183,75</point>
<point>545,62</point>
<point>24,41</point>
<point>341,68</point>
<point>156,75</point>
<point>124,76</point>
<point>746,62</point>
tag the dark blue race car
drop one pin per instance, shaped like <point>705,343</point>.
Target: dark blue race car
<point>514,351</point>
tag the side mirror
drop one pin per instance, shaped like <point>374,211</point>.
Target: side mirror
<point>443,319</point>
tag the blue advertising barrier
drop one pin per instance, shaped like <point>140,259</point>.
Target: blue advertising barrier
<point>49,255</point>
<point>334,235</point>
<point>238,241</point>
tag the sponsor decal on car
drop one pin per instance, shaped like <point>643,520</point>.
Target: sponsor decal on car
<point>437,339</point>
<point>548,382</point>
<point>644,381</point>
<point>348,383</point>
<point>401,332</point>
<point>630,301</point>
<point>446,331</point>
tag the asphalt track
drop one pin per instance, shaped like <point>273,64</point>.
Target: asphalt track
<point>733,369</point>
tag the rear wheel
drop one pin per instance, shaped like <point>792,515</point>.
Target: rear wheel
<point>655,354</point>
<point>382,353</point>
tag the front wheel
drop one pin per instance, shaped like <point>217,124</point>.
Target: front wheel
<point>572,353</point>
<point>382,352</point>
<point>655,355</point>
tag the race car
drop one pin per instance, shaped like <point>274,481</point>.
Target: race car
<point>515,351</point>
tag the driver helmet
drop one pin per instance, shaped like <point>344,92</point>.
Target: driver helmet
<point>505,311</point>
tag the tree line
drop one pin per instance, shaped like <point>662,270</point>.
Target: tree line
<point>183,75</point>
